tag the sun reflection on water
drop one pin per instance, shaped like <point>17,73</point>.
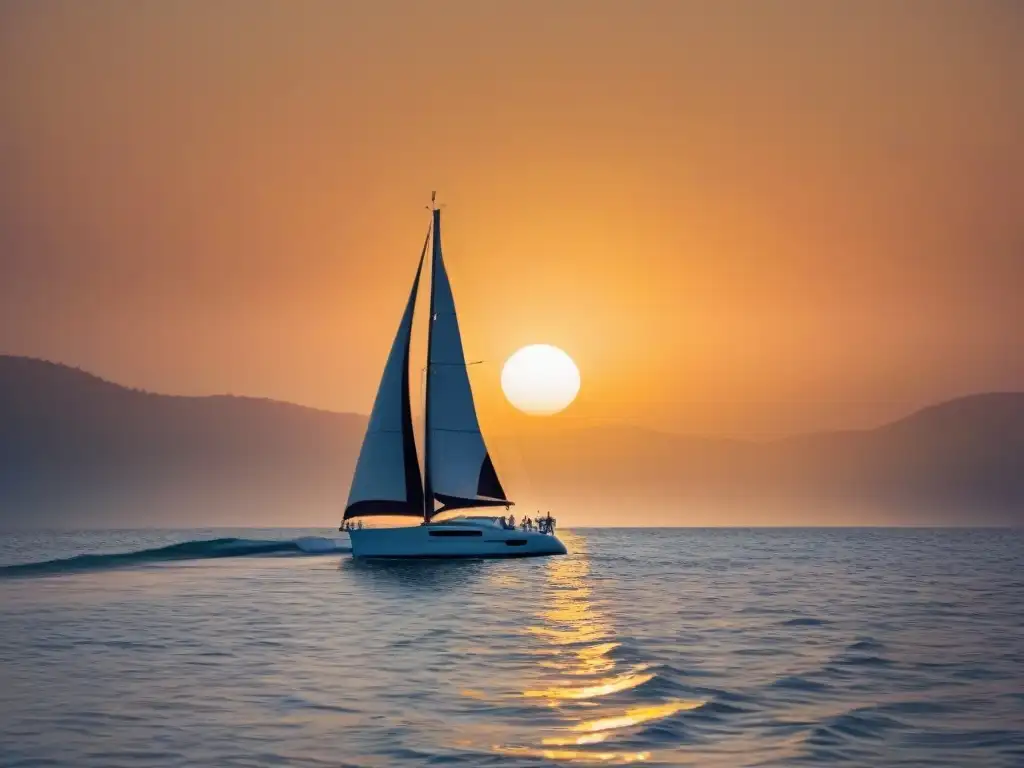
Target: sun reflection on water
<point>612,685</point>
<point>580,677</point>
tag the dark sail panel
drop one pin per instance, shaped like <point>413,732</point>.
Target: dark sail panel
<point>488,484</point>
<point>460,473</point>
<point>387,479</point>
<point>448,503</point>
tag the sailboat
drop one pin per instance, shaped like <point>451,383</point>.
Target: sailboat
<point>458,473</point>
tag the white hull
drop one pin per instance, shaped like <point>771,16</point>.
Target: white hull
<point>453,538</point>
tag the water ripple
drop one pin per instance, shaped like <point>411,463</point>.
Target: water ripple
<point>718,648</point>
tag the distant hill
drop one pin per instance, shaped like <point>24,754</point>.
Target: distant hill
<point>959,462</point>
<point>76,450</point>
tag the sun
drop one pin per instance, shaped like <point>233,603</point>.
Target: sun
<point>540,380</point>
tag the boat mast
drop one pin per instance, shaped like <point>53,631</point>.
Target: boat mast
<point>428,491</point>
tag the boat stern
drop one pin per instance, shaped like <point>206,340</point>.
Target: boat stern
<point>552,544</point>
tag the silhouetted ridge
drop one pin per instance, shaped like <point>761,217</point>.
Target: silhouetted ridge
<point>995,413</point>
<point>76,450</point>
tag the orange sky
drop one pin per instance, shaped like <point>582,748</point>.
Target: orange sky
<point>737,217</point>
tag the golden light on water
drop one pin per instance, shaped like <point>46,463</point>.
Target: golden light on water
<point>567,637</point>
<point>638,715</point>
<point>579,677</point>
<point>592,660</point>
<point>621,683</point>
<point>576,756</point>
<point>574,741</point>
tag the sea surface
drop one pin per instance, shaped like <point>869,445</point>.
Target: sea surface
<point>678,647</point>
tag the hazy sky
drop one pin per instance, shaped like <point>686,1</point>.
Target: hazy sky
<point>737,216</point>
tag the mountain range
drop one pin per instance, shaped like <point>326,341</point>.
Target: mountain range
<point>79,451</point>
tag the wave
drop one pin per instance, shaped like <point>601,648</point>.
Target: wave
<point>204,549</point>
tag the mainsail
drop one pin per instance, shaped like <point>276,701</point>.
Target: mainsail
<point>387,478</point>
<point>459,472</point>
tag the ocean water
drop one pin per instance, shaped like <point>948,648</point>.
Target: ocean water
<point>724,647</point>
